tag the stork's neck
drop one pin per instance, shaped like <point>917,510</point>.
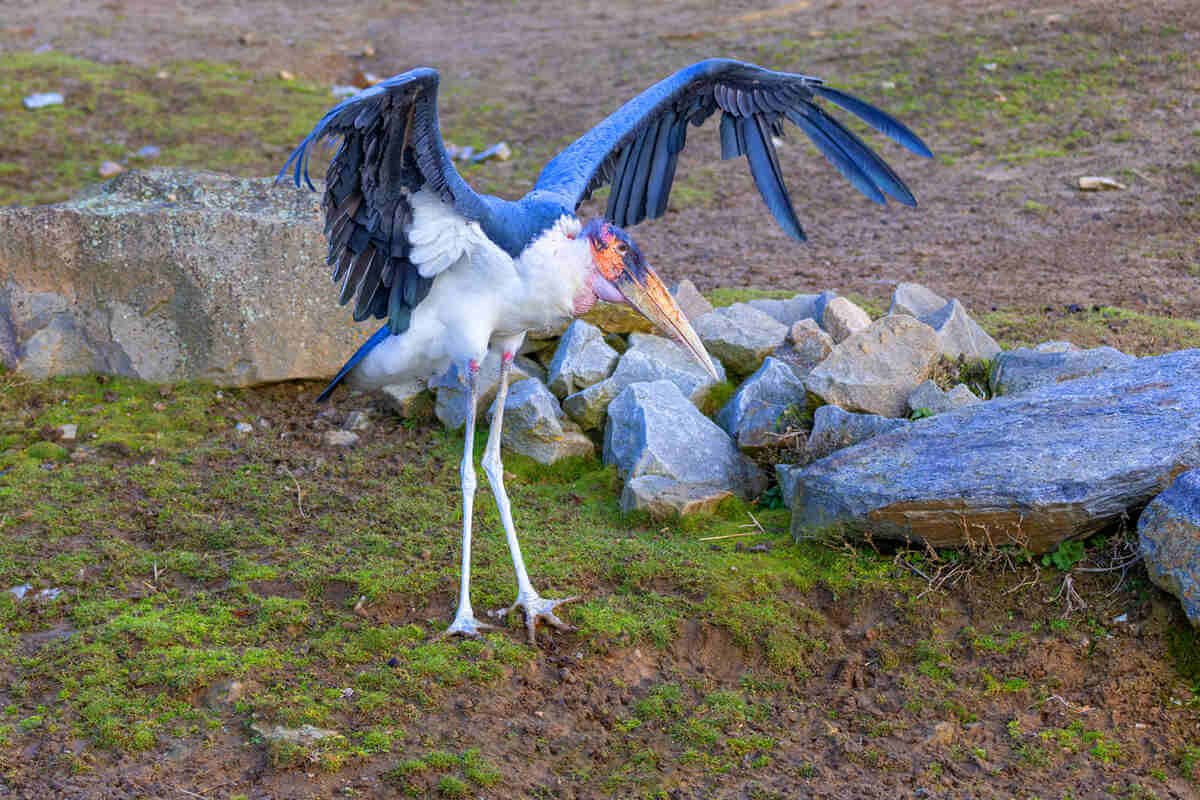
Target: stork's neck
<point>554,270</point>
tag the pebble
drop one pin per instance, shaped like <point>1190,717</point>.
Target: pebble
<point>340,438</point>
<point>110,168</point>
<point>43,99</point>
<point>1099,183</point>
<point>149,151</point>
<point>245,427</point>
<point>284,75</point>
<point>358,421</point>
<point>68,432</point>
<point>500,150</point>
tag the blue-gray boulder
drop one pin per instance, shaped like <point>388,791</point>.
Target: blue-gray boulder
<point>653,429</point>
<point>1056,462</point>
<point>752,415</point>
<point>1020,370</point>
<point>834,428</point>
<point>1169,538</point>
<point>535,426</point>
<point>582,358</point>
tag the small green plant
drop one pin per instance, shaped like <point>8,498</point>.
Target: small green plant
<point>1189,759</point>
<point>920,413</point>
<point>1068,554</point>
<point>450,786</point>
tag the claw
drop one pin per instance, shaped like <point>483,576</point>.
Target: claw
<point>536,608</point>
<point>464,625</point>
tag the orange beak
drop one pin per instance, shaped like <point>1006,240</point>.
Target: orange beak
<point>650,297</point>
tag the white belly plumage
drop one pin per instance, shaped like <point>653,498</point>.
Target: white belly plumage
<point>479,293</point>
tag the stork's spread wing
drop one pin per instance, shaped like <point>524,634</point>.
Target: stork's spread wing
<point>636,148</point>
<point>391,149</point>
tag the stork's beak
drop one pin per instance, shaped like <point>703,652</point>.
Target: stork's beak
<point>646,292</point>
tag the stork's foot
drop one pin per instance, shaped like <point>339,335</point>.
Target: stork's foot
<point>465,625</point>
<point>536,608</point>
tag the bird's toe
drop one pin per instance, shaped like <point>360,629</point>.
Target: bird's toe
<point>538,608</point>
<point>465,626</point>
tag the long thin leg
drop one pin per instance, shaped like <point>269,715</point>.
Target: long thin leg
<point>535,606</point>
<point>464,618</point>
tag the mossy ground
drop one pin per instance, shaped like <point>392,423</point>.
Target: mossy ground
<point>186,555</point>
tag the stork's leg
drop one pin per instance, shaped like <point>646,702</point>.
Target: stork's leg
<point>464,619</point>
<point>535,606</point>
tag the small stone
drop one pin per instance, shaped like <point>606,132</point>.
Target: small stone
<point>499,151</point>
<point>110,168</point>
<point>162,74</point>
<point>284,75</point>
<point>68,432</point>
<point>843,318</point>
<point>43,99</point>
<point>339,438</point>
<point>149,151</point>
<point>358,421</point>
<point>943,735</point>
<point>245,428</point>
<point>1099,183</point>
<point>223,695</point>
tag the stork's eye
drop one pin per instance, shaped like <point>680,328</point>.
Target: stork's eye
<point>621,248</point>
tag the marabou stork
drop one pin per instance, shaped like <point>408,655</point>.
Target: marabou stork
<point>457,274</point>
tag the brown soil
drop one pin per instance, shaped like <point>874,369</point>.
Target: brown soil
<point>562,66</point>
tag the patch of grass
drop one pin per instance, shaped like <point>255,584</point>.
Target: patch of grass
<point>199,568</point>
<point>1136,333</point>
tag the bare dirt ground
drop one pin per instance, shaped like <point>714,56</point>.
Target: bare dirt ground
<point>1009,233</point>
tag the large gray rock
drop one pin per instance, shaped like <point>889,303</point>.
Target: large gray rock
<point>875,370</point>
<point>1052,463</point>
<point>752,415</point>
<point>649,358</point>
<point>790,311</point>
<point>1169,539</point>
<point>834,428</point>
<point>654,430</point>
<point>1020,370</point>
<point>842,319</point>
<point>535,426</point>
<point>450,390</point>
<point>958,334</point>
<point>171,274</point>
<point>739,336</point>
<point>582,358</point>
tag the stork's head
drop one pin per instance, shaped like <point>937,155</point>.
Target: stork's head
<point>621,275</point>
